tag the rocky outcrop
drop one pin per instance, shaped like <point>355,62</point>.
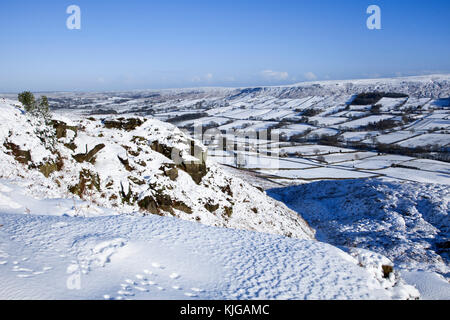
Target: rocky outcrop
<point>61,129</point>
<point>49,167</point>
<point>123,124</point>
<point>162,148</point>
<point>22,156</point>
<point>196,169</point>
<point>87,181</point>
<point>89,156</point>
<point>141,169</point>
<point>170,170</point>
<point>161,202</point>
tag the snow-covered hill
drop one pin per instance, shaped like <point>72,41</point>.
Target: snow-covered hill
<point>430,86</point>
<point>132,257</point>
<point>137,166</point>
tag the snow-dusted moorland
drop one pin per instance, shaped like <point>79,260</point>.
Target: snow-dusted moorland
<point>63,235</point>
<point>108,202</point>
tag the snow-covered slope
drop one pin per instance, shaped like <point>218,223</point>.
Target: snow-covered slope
<point>132,257</point>
<point>138,166</point>
<point>430,86</point>
<point>406,222</point>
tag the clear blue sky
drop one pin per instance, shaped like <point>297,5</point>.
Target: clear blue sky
<point>136,44</point>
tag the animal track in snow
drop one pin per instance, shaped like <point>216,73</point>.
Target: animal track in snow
<point>147,280</point>
<point>24,276</point>
<point>190,294</point>
<point>141,289</point>
<point>157,265</point>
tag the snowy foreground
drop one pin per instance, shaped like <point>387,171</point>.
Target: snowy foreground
<point>121,257</point>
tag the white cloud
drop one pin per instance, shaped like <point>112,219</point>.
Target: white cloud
<point>275,75</point>
<point>310,76</point>
<point>206,77</point>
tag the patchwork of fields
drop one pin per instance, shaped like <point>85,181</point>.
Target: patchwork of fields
<point>394,128</point>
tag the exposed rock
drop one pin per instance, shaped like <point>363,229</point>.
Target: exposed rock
<point>126,197</point>
<point>387,270</point>
<point>22,156</point>
<point>139,140</point>
<point>61,128</point>
<point>170,171</point>
<point>211,207</point>
<point>88,181</point>
<point>162,202</point>
<point>228,211</point>
<point>48,168</point>
<point>72,146</point>
<point>149,204</point>
<point>89,156</point>
<point>178,205</point>
<point>196,170</point>
<point>226,189</point>
<point>137,181</point>
<point>126,164</point>
<point>162,148</point>
<point>123,124</point>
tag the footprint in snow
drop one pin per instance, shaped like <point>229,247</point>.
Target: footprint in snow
<point>18,269</point>
<point>38,272</point>
<point>157,265</point>
<point>125,293</point>
<point>190,294</point>
<point>140,277</point>
<point>141,289</point>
